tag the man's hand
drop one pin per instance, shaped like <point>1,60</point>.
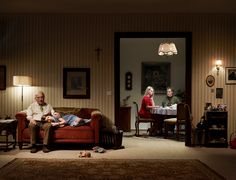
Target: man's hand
<point>43,118</point>
<point>32,121</point>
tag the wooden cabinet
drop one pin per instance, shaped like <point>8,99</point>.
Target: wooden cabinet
<point>124,118</point>
<point>216,129</point>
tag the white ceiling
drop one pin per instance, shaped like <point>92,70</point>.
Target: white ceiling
<point>117,6</point>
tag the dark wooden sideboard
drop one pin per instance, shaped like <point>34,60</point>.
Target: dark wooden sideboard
<point>124,118</point>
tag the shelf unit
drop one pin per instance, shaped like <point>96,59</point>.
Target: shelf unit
<point>216,129</point>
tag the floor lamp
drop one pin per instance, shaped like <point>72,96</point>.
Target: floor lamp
<point>22,81</point>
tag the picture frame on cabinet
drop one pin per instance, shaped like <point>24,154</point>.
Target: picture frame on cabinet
<point>210,80</point>
<point>230,75</point>
<point>76,83</point>
<point>2,77</point>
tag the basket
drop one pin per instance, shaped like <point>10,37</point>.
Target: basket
<point>233,140</point>
<point>111,139</point>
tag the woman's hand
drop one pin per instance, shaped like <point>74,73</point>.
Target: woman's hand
<point>32,121</point>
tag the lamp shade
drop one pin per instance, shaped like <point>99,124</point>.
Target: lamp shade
<point>218,62</point>
<point>173,48</point>
<point>167,49</point>
<point>22,81</point>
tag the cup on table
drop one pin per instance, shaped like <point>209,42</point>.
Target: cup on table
<point>163,104</point>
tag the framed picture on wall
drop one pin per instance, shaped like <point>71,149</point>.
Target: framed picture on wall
<point>2,77</point>
<point>157,75</point>
<point>210,80</point>
<point>219,93</point>
<point>76,83</point>
<point>230,75</point>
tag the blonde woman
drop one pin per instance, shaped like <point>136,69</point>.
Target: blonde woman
<point>147,103</point>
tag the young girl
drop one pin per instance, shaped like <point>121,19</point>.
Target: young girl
<point>69,119</point>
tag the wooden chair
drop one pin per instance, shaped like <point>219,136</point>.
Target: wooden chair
<point>141,120</point>
<point>183,115</point>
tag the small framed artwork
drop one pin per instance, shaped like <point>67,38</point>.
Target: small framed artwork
<point>2,77</point>
<point>210,80</point>
<point>230,75</point>
<point>76,83</point>
<point>219,93</point>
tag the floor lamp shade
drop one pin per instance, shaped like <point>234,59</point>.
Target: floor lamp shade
<point>22,81</point>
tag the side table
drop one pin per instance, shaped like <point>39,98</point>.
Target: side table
<point>125,116</point>
<point>8,127</point>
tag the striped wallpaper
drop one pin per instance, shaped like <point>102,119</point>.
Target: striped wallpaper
<point>40,46</point>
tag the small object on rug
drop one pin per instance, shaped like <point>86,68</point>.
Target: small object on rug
<point>98,149</point>
<point>73,169</point>
<point>84,154</point>
<point>95,148</point>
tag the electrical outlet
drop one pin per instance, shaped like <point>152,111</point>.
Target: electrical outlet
<point>108,93</point>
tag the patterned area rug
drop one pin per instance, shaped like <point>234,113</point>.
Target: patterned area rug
<point>106,169</point>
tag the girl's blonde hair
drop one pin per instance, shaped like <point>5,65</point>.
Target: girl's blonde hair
<point>147,89</point>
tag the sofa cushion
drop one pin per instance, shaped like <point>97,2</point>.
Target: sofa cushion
<point>69,132</point>
<point>66,110</point>
<point>66,132</point>
<point>86,113</point>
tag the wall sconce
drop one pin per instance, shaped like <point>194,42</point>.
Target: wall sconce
<point>218,65</point>
<point>22,81</point>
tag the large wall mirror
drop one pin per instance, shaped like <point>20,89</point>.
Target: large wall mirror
<point>136,52</point>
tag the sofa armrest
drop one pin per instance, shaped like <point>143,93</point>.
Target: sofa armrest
<point>96,122</point>
<point>22,124</point>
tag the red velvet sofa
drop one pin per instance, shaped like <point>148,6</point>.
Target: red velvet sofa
<point>88,133</point>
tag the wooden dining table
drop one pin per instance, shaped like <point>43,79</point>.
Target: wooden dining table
<point>161,113</point>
